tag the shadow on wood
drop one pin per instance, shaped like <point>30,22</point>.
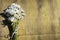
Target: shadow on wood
<point>6,22</point>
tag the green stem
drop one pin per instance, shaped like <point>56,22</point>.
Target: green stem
<point>15,37</point>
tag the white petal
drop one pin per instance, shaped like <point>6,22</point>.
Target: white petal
<point>11,19</point>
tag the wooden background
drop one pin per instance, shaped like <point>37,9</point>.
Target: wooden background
<point>41,22</point>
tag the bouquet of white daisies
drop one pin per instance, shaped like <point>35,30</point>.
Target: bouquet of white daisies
<point>14,13</point>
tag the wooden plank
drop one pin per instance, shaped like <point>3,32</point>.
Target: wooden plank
<point>42,20</point>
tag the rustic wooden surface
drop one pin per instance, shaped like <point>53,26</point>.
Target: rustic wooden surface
<point>41,22</point>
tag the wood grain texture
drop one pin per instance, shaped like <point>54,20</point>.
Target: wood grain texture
<point>41,22</point>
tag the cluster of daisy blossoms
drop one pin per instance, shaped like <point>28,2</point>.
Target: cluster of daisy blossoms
<point>14,12</point>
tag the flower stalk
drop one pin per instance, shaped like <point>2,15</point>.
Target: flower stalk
<point>14,33</point>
